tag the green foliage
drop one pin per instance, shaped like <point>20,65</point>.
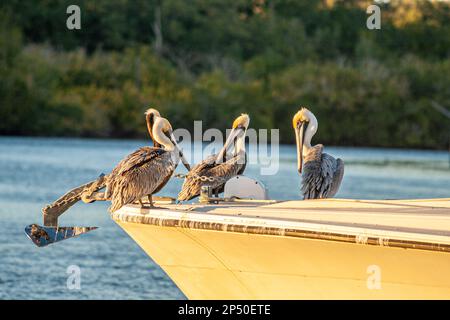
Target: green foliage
<point>211,60</point>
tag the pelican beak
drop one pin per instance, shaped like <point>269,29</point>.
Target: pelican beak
<point>180,152</point>
<point>299,137</point>
<point>233,135</point>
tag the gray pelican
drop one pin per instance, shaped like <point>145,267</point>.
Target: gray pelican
<point>145,171</point>
<point>150,115</point>
<point>321,173</point>
<point>222,166</point>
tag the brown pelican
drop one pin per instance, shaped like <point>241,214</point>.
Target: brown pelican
<point>89,192</point>
<point>321,173</point>
<point>220,167</point>
<point>145,171</point>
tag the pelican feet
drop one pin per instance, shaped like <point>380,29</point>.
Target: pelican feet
<point>148,205</point>
<point>149,201</point>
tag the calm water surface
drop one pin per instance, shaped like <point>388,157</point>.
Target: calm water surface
<point>35,171</point>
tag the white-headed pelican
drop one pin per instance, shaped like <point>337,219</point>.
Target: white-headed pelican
<point>220,167</point>
<point>321,173</point>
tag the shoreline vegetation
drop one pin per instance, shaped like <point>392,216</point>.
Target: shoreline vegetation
<point>212,60</point>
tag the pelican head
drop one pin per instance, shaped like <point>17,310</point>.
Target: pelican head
<point>150,116</point>
<point>241,122</point>
<point>152,111</point>
<point>305,125</point>
<point>163,134</point>
<point>238,131</point>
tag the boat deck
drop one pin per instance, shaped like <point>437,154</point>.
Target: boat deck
<point>316,249</point>
<point>417,224</point>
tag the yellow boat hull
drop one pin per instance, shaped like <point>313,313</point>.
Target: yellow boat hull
<point>216,263</point>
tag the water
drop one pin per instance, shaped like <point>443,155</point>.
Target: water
<point>34,172</point>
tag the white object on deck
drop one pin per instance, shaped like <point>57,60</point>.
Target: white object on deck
<point>245,188</point>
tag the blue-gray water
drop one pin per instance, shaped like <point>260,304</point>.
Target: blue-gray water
<point>34,172</point>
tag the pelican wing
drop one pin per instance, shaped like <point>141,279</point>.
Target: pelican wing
<point>138,175</point>
<point>221,172</point>
<point>137,158</point>
<point>322,176</point>
<point>337,178</point>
